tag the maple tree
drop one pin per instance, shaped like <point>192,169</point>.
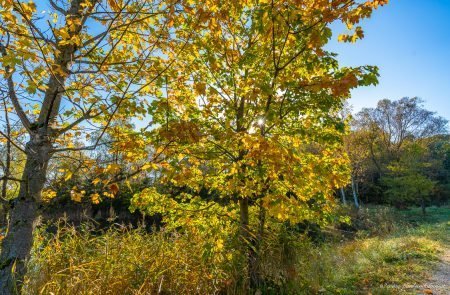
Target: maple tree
<point>242,97</point>
<point>256,123</point>
<point>70,70</point>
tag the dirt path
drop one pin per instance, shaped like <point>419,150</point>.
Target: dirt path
<point>439,283</point>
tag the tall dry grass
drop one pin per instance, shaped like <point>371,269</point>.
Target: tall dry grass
<point>132,261</point>
<point>122,261</point>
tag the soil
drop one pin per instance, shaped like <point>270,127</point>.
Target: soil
<point>439,283</point>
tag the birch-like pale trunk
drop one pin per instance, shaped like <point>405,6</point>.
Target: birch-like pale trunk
<point>355,193</point>
<point>344,200</point>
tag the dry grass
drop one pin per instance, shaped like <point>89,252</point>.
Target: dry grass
<point>124,261</point>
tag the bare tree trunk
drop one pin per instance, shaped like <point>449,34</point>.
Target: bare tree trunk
<point>355,194</point>
<point>24,213</point>
<point>344,200</point>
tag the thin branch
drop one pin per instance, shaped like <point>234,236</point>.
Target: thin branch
<point>7,166</point>
<point>12,93</point>
<point>57,8</point>
<point>86,116</point>
<point>83,148</point>
<point>11,178</point>
<point>12,142</point>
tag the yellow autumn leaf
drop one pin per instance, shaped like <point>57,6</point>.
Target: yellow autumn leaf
<point>68,176</point>
<point>95,198</point>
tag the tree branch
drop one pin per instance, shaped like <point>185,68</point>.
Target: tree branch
<point>12,142</point>
<point>12,94</point>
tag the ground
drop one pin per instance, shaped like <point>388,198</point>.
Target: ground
<point>439,283</point>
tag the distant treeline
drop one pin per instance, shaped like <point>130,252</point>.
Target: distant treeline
<point>400,155</point>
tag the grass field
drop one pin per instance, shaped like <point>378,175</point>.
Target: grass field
<point>391,252</point>
<point>391,263</point>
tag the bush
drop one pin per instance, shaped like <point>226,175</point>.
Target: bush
<point>371,221</point>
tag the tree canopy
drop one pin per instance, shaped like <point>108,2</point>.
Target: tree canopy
<point>231,111</point>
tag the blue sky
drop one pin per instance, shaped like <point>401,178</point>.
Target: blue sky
<point>410,41</point>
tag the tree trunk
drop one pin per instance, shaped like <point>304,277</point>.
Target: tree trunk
<point>245,229</point>
<point>355,194</point>
<point>256,276</point>
<point>252,244</point>
<point>6,170</point>
<point>18,242</point>
<point>248,245</point>
<point>422,205</point>
<point>344,200</point>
